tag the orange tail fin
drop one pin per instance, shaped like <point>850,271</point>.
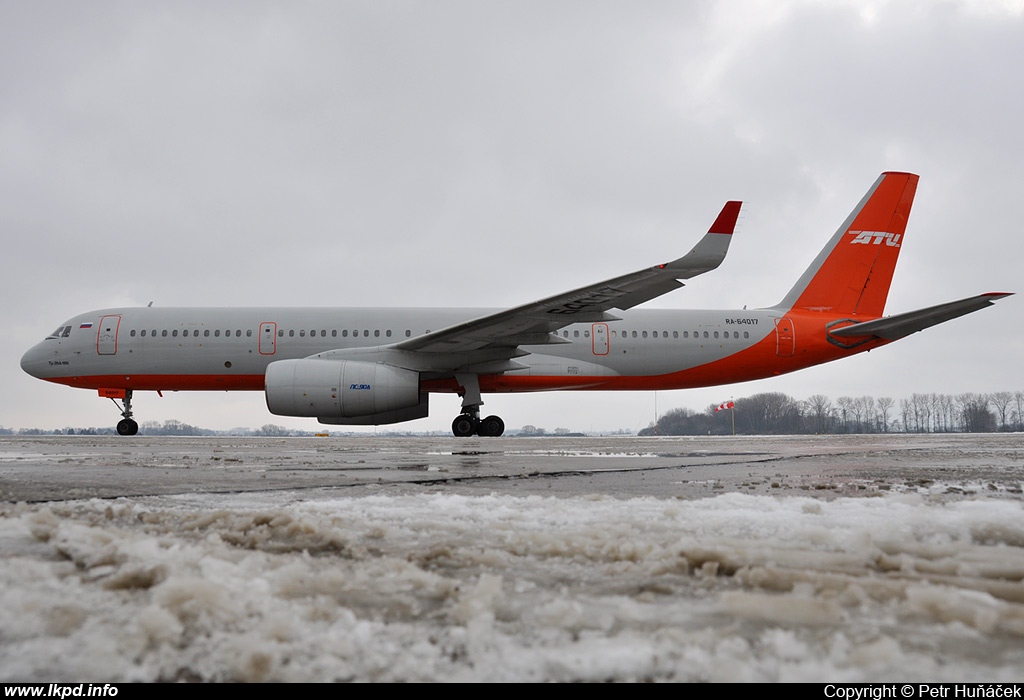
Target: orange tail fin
<point>852,274</point>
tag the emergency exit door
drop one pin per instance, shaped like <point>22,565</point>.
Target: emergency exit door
<point>600,338</point>
<point>268,338</point>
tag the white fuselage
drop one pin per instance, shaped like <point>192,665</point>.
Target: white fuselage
<point>230,348</point>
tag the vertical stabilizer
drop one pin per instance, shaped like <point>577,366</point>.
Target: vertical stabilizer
<point>852,274</point>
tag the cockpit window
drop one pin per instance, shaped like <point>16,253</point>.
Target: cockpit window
<point>62,332</point>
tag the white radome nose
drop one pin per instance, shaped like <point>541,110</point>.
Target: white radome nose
<point>35,361</point>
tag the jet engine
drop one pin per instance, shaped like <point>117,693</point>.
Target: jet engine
<point>344,392</point>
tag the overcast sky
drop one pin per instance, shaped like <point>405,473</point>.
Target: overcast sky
<point>487,154</point>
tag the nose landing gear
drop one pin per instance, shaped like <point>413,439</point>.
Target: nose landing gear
<point>126,426</point>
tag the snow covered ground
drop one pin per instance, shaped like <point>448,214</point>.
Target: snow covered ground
<point>882,558</point>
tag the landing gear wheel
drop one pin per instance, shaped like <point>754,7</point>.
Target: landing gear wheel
<point>127,427</point>
<point>464,425</point>
<point>491,426</point>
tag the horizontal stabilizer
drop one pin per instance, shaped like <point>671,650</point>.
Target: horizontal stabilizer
<point>902,325</point>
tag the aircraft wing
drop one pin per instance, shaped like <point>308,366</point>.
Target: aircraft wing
<point>532,324</point>
<point>902,325</point>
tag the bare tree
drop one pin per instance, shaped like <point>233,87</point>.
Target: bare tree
<point>1001,402</point>
<point>939,414</point>
<point>922,412</point>
<point>885,405</point>
<point>820,414</point>
<point>845,404</point>
<point>864,414</point>
<point>974,414</point>
<point>771,412</point>
<point>907,414</point>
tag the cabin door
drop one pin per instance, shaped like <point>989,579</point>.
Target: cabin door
<point>106,336</point>
<point>785,337</point>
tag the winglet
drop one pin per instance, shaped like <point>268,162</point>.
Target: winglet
<point>726,221</point>
<point>707,255</point>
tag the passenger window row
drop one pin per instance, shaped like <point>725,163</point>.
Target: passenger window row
<point>188,332</point>
<point>663,334</point>
<point>334,333</point>
<point>302,333</point>
<point>322,333</point>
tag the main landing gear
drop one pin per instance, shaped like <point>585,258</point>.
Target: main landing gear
<point>469,422</point>
<point>126,426</point>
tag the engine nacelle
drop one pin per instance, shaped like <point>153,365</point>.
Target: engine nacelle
<point>386,418</point>
<point>334,390</point>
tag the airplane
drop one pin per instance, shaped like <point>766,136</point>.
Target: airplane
<point>377,366</point>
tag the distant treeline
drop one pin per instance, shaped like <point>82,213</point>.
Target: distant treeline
<point>176,427</point>
<point>760,414</point>
<point>779,414</point>
<point>168,427</point>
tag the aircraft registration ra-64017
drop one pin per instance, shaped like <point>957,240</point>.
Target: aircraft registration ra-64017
<point>375,366</point>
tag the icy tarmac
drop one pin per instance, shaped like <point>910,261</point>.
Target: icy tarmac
<point>840,559</point>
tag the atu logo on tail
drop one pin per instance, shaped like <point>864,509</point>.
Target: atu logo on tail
<point>868,237</point>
